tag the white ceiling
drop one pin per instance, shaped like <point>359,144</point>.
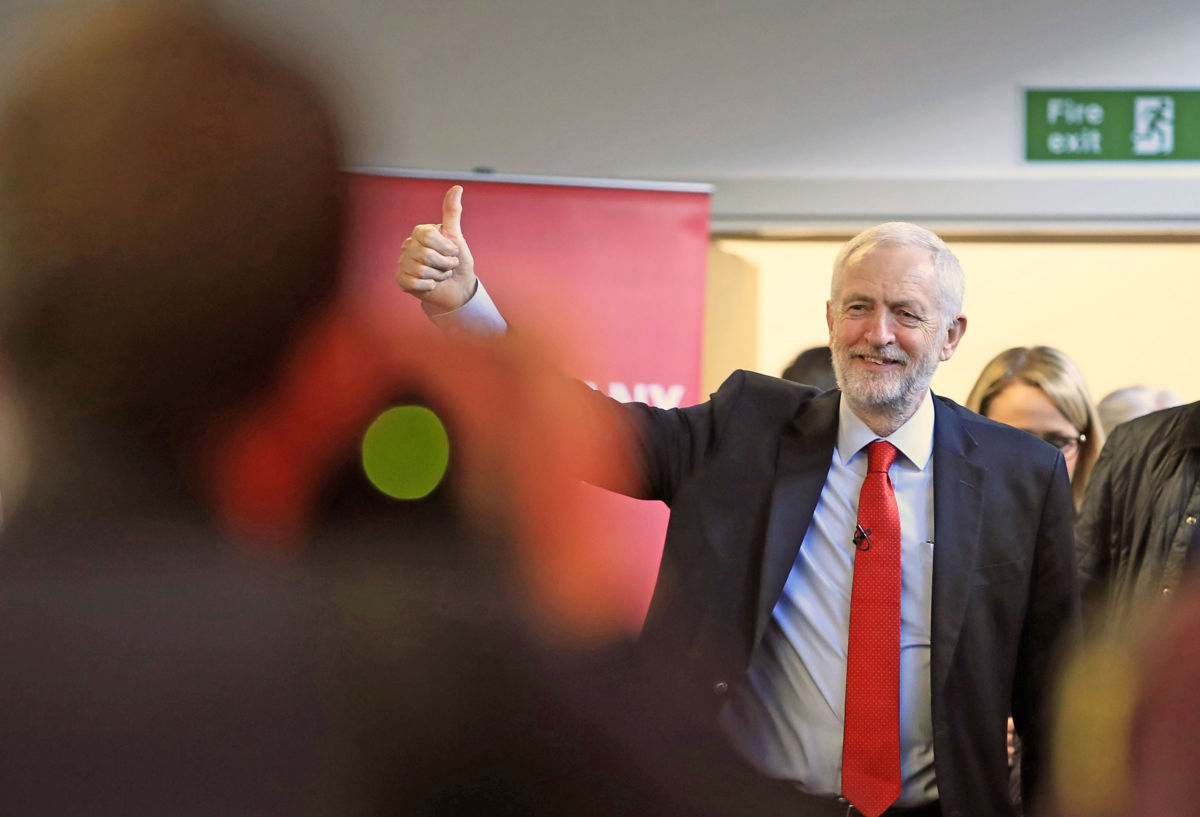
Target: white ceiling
<point>799,112</point>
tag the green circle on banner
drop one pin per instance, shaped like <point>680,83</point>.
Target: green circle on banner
<point>405,452</point>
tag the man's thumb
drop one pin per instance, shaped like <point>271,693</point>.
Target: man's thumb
<point>452,212</point>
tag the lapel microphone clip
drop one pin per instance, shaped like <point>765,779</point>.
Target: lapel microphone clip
<point>862,537</point>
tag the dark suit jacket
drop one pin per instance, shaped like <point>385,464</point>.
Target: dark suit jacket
<point>743,473</point>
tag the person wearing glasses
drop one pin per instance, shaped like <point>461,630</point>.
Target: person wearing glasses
<point>1040,390</point>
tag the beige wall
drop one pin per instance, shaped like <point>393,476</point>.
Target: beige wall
<point>1127,311</point>
<point>730,317</point>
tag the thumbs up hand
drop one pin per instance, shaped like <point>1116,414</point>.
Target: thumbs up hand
<point>435,262</point>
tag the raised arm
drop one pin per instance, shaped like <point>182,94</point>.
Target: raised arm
<point>656,450</point>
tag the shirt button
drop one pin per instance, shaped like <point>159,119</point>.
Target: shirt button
<point>1191,520</point>
<point>1166,590</point>
<point>720,687</point>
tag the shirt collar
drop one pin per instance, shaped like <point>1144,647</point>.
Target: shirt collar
<point>914,439</point>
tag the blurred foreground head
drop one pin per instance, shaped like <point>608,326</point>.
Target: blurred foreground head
<point>1128,733</point>
<point>169,214</point>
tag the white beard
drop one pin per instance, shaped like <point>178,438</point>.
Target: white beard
<point>894,393</point>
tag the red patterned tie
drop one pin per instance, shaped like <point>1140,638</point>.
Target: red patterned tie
<point>871,747</point>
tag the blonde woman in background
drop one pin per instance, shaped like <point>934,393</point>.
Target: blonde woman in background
<point>1040,390</point>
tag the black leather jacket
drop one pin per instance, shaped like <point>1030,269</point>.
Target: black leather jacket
<point>1141,509</point>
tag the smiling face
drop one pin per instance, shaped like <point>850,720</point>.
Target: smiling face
<point>888,333</point>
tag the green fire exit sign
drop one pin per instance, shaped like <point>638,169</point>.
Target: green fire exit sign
<point>1081,124</point>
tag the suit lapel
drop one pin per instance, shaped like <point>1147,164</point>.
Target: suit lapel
<point>800,471</point>
<point>958,483</point>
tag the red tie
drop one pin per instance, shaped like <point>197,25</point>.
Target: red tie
<point>871,743</point>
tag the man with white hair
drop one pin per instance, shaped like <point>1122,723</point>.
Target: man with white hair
<point>855,665</point>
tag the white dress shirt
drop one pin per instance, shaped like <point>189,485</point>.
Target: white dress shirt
<point>787,719</point>
<point>478,317</point>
